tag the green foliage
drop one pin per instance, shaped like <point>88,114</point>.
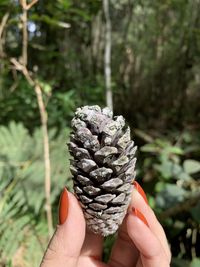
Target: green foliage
<point>195,262</point>
<point>170,167</point>
<point>179,263</point>
<point>174,171</point>
<point>191,166</point>
<point>22,200</point>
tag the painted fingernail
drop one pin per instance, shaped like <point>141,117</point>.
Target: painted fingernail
<point>139,215</point>
<point>63,206</point>
<point>140,191</point>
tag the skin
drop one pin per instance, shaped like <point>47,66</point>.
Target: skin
<point>137,244</point>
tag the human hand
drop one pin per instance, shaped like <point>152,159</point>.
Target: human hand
<point>141,240</point>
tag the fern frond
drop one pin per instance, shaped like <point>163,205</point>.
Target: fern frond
<point>23,223</point>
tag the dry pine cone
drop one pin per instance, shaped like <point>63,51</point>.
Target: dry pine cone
<point>103,167</point>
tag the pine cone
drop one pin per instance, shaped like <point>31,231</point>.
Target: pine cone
<point>103,167</point>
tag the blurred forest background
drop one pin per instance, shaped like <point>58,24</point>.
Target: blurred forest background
<point>58,55</point>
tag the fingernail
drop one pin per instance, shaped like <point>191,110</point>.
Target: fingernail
<point>63,207</point>
<point>139,215</point>
<point>140,191</point>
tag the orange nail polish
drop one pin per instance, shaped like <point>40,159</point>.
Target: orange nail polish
<point>63,207</point>
<point>138,214</point>
<point>140,191</point>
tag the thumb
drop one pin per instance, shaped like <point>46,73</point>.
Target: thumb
<point>65,245</point>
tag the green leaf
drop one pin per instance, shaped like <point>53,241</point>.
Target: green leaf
<point>152,148</point>
<point>184,176</point>
<point>176,262</point>
<point>174,150</point>
<point>159,186</point>
<point>169,169</point>
<point>195,211</point>
<point>171,195</point>
<point>164,169</point>
<point>191,166</point>
<point>195,262</point>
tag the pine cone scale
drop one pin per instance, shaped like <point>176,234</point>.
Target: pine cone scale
<point>103,167</point>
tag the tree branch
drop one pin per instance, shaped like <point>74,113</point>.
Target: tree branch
<point>107,55</point>
<point>44,120</point>
<point>43,114</point>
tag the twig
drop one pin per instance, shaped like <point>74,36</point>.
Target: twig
<point>180,207</point>
<point>43,114</point>
<point>107,55</point>
<point>25,8</point>
<point>28,6</point>
<point>3,23</point>
<point>23,69</point>
<point>25,32</point>
<point>2,26</point>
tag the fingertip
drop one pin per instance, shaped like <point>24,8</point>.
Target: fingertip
<point>63,206</point>
<point>140,216</point>
<point>140,190</point>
